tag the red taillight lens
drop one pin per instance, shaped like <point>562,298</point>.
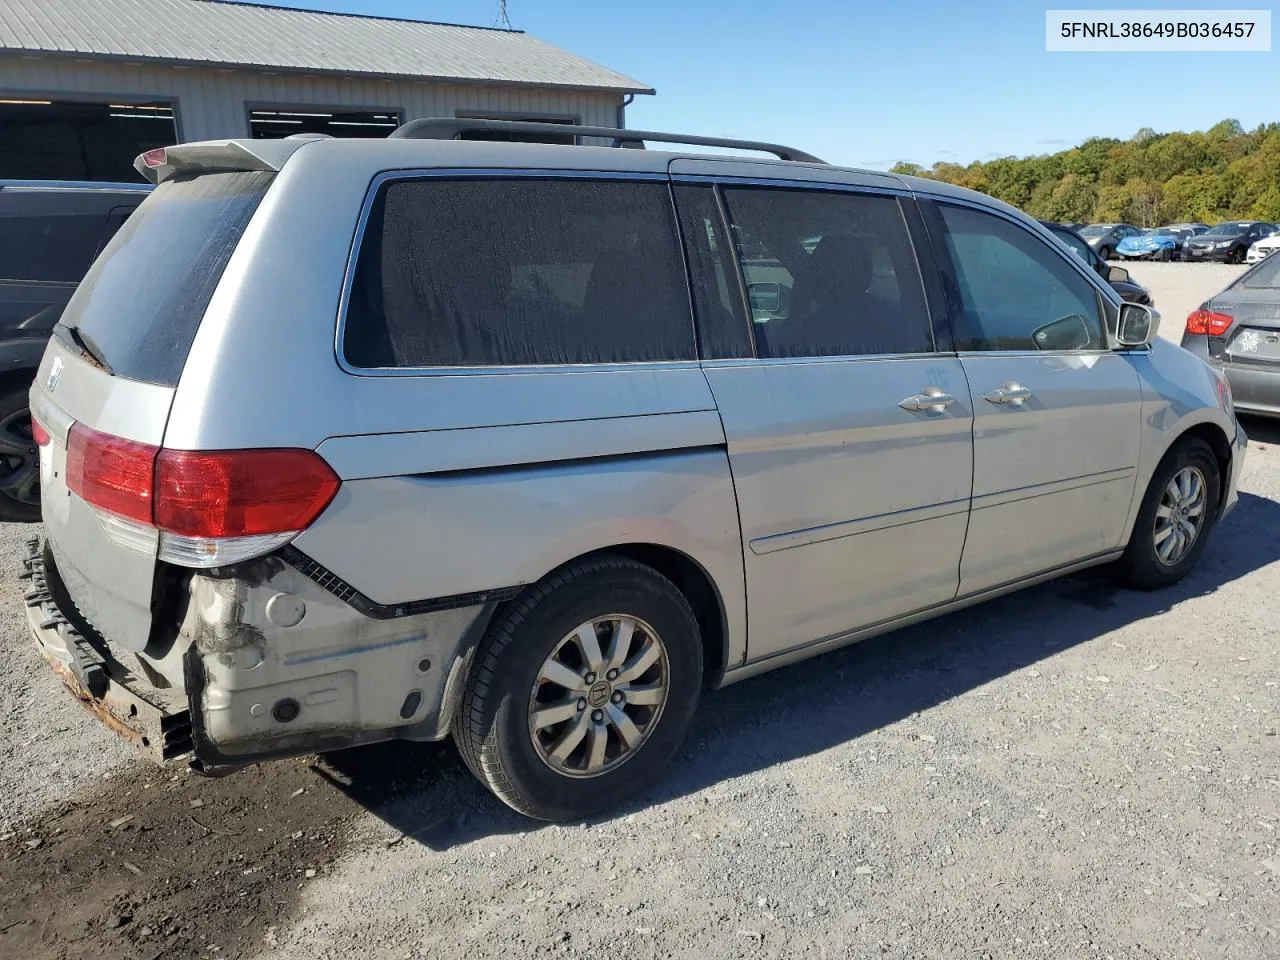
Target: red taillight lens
<point>155,158</point>
<point>111,473</point>
<point>38,433</point>
<point>1209,322</point>
<point>238,493</point>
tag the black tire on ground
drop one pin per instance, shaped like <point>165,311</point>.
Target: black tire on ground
<point>15,435</point>
<point>1106,253</point>
<point>1140,566</point>
<point>1166,256</point>
<point>1236,256</point>
<point>492,728</point>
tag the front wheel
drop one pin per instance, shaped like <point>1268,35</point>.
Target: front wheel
<point>1106,253</point>
<point>1176,516</point>
<point>582,690</point>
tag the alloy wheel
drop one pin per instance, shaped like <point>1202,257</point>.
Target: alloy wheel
<point>1180,515</point>
<point>598,695</point>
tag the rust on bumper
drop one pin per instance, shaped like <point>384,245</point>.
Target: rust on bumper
<point>155,721</point>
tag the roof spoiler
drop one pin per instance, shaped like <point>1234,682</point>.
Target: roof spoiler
<point>448,129</point>
<point>219,156</point>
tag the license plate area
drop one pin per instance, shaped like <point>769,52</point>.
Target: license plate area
<point>1255,345</point>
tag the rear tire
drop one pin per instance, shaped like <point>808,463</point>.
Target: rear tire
<point>550,769</point>
<point>1162,548</point>
<point>19,460</point>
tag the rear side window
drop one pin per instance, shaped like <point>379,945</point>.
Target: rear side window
<point>141,303</point>
<point>41,245</point>
<point>506,272</point>
<point>828,273</point>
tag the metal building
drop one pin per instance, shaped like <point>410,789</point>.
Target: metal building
<point>86,85</point>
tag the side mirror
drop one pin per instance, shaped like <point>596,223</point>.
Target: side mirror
<point>765,296</point>
<point>1137,326</point>
<point>1117,275</point>
<point>1066,333</point>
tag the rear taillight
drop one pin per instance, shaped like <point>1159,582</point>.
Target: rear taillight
<point>211,507</point>
<point>1209,322</point>
<point>240,493</point>
<point>38,433</point>
<point>155,158</point>
<point>110,473</point>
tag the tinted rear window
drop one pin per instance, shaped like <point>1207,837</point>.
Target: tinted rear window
<point>141,302</point>
<point>507,272</point>
<point>38,244</point>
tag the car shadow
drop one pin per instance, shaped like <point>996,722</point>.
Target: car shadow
<point>424,794</point>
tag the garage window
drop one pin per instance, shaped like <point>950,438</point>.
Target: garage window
<point>274,123</point>
<point>62,140</point>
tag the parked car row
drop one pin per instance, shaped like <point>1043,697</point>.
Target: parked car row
<point>50,232</point>
<point>1232,241</point>
<point>1118,277</point>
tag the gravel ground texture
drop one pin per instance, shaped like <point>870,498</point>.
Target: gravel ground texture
<point>1071,771</point>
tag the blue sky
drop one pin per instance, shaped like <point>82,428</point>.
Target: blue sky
<point>868,84</point>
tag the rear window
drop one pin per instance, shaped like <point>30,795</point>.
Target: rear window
<point>508,272</point>
<point>141,302</point>
<point>1265,276</point>
<point>36,244</point>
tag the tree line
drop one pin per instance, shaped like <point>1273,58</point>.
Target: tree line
<point>1223,173</point>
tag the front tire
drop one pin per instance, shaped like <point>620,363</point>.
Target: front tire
<point>19,460</point>
<point>582,690</point>
<point>1175,519</point>
<point>1106,253</point>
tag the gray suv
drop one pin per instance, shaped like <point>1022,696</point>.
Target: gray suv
<point>532,444</point>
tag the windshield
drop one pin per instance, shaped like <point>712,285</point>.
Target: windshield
<point>1168,232</point>
<point>1231,229</point>
<point>1094,230</point>
<point>140,305</point>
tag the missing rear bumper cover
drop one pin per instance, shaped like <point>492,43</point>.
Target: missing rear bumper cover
<point>155,722</point>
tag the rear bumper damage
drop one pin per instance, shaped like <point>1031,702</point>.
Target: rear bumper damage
<point>155,721</point>
<point>273,664</point>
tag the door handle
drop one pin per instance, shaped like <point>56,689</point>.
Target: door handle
<point>1012,393</point>
<point>932,399</point>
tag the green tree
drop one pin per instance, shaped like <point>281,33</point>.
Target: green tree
<point>1267,206</point>
<point>1221,173</point>
<point>1072,200</point>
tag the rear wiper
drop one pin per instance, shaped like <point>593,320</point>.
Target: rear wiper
<point>71,334</point>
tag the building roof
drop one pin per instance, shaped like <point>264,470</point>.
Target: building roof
<point>235,34</point>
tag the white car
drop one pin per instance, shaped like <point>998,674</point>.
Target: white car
<point>1263,248</point>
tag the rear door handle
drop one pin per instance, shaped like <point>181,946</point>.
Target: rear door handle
<point>1012,393</point>
<point>930,399</point>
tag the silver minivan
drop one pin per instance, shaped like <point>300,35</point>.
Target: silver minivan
<point>355,440</point>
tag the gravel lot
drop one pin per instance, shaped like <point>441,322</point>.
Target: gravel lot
<point>1179,288</point>
<point>1073,771</point>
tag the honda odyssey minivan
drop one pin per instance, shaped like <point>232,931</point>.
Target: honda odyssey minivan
<point>531,444</point>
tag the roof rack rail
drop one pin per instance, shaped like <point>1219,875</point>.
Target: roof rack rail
<point>451,129</point>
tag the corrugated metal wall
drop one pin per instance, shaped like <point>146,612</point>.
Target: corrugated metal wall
<point>211,103</point>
